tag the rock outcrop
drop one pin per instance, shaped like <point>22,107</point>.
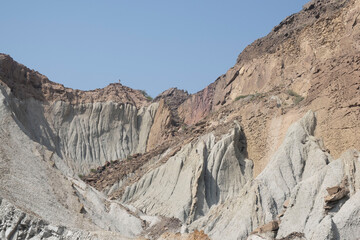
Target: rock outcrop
<point>167,120</point>
<point>85,135</point>
<point>311,57</point>
<point>300,171</point>
<point>267,151</point>
<point>17,224</point>
<point>38,190</point>
<point>212,170</point>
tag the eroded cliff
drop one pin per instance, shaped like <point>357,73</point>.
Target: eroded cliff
<point>266,151</point>
<point>86,129</point>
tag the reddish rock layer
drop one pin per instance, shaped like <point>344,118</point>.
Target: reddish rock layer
<point>313,55</point>
<point>284,58</point>
<point>309,61</point>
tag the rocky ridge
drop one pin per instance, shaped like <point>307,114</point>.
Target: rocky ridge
<point>308,62</point>
<point>26,83</point>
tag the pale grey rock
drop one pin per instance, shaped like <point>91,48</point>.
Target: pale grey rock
<point>257,237</point>
<point>36,180</point>
<point>17,224</point>
<point>208,184</point>
<point>91,134</point>
<point>224,166</point>
<point>347,220</point>
<point>300,171</point>
<point>28,179</point>
<point>325,230</point>
<point>307,215</point>
<point>109,190</point>
<point>203,173</point>
<point>343,222</point>
<point>108,215</point>
<point>172,177</point>
<point>261,200</point>
<point>85,136</point>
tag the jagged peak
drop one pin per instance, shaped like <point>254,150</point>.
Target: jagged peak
<point>172,92</point>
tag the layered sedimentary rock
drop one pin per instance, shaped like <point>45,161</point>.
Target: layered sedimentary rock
<point>242,159</point>
<point>167,120</point>
<point>18,224</point>
<point>26,83</point>
<point>312,54</point>
<point>203,173</point>
<point>86,130</point>
<point>299,172</point>
<point>38,190</point>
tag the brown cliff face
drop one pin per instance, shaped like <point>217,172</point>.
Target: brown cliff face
<point>173,98</point>
<point>166,122</point>
<point>284,58</point>
<point>26,83</point>
<point>313,55</point>
<point>161,128</point>
<point>198,105</point>
<point>309,61</point>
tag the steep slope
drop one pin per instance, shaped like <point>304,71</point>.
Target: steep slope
<point>86,129</point>
<point>313,54</point>
<point>308,62</point>
<point>287,56</point>
<point>208,185</point>
<point>233,160</point>
<point>167,121</point>
<point>37,191</point>
<point>212,170</point>
<point>299,173</point>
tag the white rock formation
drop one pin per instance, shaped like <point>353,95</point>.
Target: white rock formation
<point>88,135</point>
<point>17,224</point>
<point>208,184</point>
<point>306,213</point>
<point>203,173</point>
<point>39,192</point>
<point>300,172</point>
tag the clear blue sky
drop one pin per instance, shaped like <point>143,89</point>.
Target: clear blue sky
<point>150,45</point>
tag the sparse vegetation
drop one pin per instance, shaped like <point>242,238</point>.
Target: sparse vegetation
<point>258,95</point>
<point>93,170</point>
<point>129,157</point>
<point>292,93</point>
<point>298,98</point>
<point>148,97</point>
<point>81,176</point>
<point>184,127</point>
<point>241,97</point>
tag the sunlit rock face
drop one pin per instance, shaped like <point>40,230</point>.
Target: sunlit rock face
<point>212,170</point>
<point>86,135</point>
<point>267,151</point>
<point>292,191</point>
